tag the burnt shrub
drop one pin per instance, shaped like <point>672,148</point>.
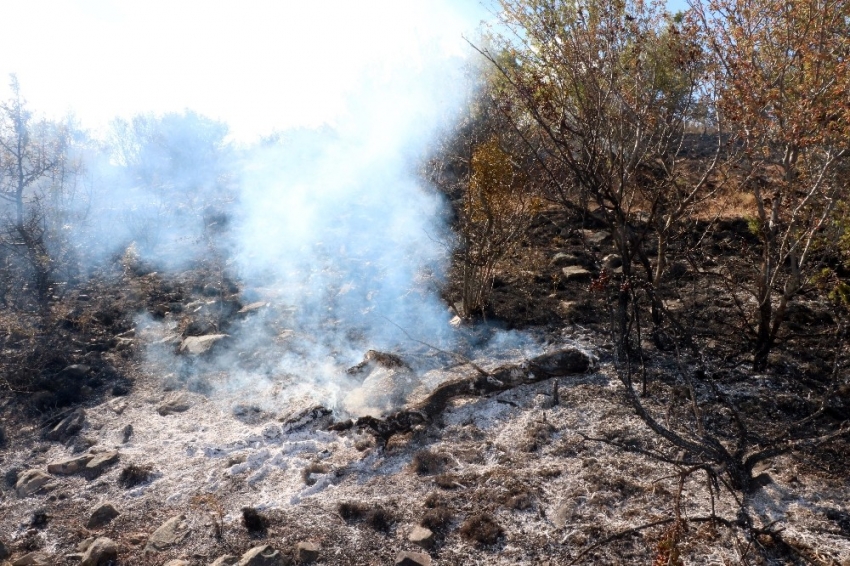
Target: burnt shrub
<point>135,474</point>
<point>437,519</point>
<point>426,462</point>
<point>254,522</point>
<point>481,528</point>
<point>375,517</point>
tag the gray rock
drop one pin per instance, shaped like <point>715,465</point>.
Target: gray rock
<point>70,466</point>
<point>226,560</point>
<point>4,551</point>
<point>575,273</point>
<point>177,562</point>
<point>75,371</point>
<point>198,345</point>
<point>170,533</point>
<point>595,238</point>
<point>102,551</point>
<point>561,259</point>
<point>263,556</point>
<point>384,389</point>
<point>30,482</point>
<point>102,461</point>
<point>561,362</point>
<point>67,427</point>
<point>84,545</point>
<point>102,515</point>
<point>306,552</point>
<point>412,559</point>
<point>126,433</point>
<point>32,559</point>
<point>177,404</point>
<point>422,536</point>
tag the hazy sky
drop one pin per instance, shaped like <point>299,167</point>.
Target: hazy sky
<point>259,65</point>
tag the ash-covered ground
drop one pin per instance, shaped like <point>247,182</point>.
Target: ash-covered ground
<point>505,478</point>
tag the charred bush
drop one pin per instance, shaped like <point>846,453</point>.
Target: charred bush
<point>39,519</point>
<point>447,481</point>
<point>481,528</point>
<point>135,474</point>
<point>351,511</point>
<point>437,519</point>
<point>426,462</point>
<point>254,522</point>
<point>375,517</point>
<point>11,477</point>
<point>379,519</point>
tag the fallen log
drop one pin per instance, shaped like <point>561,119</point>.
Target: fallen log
<point>567,361</point>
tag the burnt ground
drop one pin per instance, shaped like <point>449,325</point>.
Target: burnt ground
<point>501,479</point>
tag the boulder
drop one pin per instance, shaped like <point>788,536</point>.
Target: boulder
<point>30,482</point>
<point>226,560</point>
<point>170,533</point>
<point>70,466</point>
<point>176,404</point>
<point>412,559</point>
<point>566,361</point>
<point>67,427</point>
<point>422,537</point>
<point>177,562</point>
<point>263,556</point>
<point>102,515</point>
<point>306,552</point>
<point>101,552</point>
<point>199,345</point>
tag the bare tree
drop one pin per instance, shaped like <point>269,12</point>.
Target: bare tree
<point>609,87</point>
<point>783,91</point>
<point>30,152</point>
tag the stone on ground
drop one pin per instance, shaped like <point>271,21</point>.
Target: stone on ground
<point>263,556</point>
<point>101,552</point>
<point>412,559</point>
<point>70,466</point>
<point>30,482</point>
<point>226,560</point>
<point>102,515</point>
<point>176,404</point>
<point>67,427</point>
<point>422,536</point>
<point>170,533</point>
<point>307,552</point>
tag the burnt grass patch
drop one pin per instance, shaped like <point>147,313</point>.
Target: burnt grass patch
<point>133,475</point>
<point>482,528</point>
<point>254,522</point>
<point>373,516</point>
